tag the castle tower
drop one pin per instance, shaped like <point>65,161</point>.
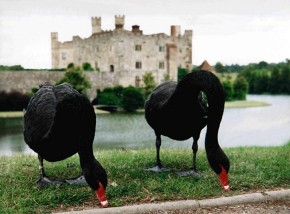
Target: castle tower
<point>120,22</point>
<point>54,50</point>
<point>96,25</point>
<point>175,32</point>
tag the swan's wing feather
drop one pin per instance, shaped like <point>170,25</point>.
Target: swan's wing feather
<point>39,116</point>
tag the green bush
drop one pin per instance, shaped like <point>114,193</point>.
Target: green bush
<point>129,98</point>
<point>132,99</point>
<point>110,96</point>
<point>13,101</point>
<point>108,99</point>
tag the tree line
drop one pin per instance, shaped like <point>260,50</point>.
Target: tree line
<point>262,77</point>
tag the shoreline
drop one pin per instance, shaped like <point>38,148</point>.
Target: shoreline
<point>230,104</point>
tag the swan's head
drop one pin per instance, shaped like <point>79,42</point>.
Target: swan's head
<point>100,189</point>
<point>96,178</point>
<point>220,163</point>
<point>223,178</point>
<point>101,194</point>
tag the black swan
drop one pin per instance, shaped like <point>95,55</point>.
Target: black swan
<point>179,111</point>
<point>58,123</point>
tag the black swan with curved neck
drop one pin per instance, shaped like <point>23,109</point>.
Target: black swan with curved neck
<point>178,111</point>
<point>58,123</point>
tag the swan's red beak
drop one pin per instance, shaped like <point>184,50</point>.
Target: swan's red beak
<point>101,194</point>
<point>223,177</point>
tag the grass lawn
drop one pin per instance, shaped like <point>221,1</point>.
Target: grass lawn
<point>252,169</point>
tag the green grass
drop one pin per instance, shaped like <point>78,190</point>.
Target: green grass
<point>252,169</point>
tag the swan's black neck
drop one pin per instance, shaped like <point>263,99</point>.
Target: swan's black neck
<point>92,169</point>
<point>189,88</point>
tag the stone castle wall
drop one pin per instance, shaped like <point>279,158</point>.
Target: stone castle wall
<point>24,81</point>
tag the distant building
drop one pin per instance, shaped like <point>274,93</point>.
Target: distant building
<point>206,66</point>
<point>127,54</point>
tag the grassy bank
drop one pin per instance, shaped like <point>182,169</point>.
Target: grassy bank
<point>252,169</point>
<point>14,114</point>
<point>244,104</point>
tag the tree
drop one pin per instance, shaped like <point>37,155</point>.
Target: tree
<point>228,90</point>
<point>77,80</point>
<point>240,87</point>
<point>166,77</point>
<point>87,66</point>
<point>71,67</point>
<point>262,64</point>
<point>219,68</point>
<point>149,82</point>
<point>181,72</point>
<point>285,77</point>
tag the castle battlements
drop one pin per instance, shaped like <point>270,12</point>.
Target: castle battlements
<point>119,50</point>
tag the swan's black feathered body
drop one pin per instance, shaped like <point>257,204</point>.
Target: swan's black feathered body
<point>178,111</point>
<point>60,122</point>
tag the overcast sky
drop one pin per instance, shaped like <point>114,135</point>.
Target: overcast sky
<point>226,31</point>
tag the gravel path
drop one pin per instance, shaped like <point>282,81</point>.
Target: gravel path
<point>271,207</point>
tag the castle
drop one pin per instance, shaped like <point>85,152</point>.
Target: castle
<point>126,54</point>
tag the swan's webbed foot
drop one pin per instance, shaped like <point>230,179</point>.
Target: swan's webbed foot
<point>80,180</point>
<point>45,181</point>
<point>191,172</point>
<point>158,168</point>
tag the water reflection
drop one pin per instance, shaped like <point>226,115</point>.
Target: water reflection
<point>259,126</point>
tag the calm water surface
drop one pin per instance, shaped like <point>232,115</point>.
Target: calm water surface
<point>256,126</point>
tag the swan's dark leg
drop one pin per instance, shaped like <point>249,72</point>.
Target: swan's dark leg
<point>43,179</point>
<point>158,167</point>
<point>158,145</point>
<point>192,171</point>
<point>194,151</point>
<point>80,180</point>
<point>41,169</point>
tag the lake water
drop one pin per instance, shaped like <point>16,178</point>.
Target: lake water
<point>255,126</point>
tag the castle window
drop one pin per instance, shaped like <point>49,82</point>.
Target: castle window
<point>138,65</point>
<point>96,49</point>
<point>96,65</point>
<point>137,81</point>
<point>161,48</point>
<point>111,68</point>
<point>138,47</point>
<point>161,65</point>
<point>63,56</point>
